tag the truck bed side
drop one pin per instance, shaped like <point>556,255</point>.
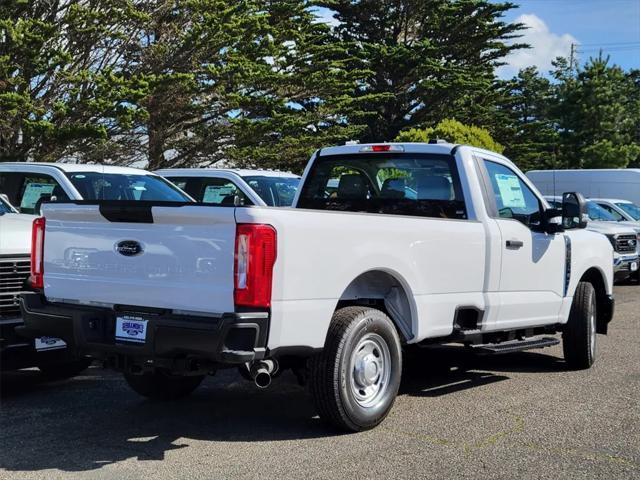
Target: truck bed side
<point>409,249</point>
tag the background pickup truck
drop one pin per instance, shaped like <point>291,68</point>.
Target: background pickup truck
<point>224,186</point>
<point>415,244</point>
<point>28,185</point>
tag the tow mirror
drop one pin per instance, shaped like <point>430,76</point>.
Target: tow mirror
<point>574,211</point>
<point>553,220</point>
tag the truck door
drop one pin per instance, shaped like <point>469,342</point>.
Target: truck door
<point>531,285</point>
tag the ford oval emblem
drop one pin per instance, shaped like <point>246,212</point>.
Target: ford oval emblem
<point>129,248</point>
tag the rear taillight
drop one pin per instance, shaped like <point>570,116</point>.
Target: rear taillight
<point>255,256</point>
<point>37,253</point>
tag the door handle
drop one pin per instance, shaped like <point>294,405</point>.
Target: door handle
<point>515,244</point>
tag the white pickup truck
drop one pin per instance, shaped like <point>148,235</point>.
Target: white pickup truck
<point>224,186</point>
<point>28,185</point>
<point>418,244</point>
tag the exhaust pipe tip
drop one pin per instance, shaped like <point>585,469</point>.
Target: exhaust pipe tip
<point>262,378</point>
<point>261,371</point>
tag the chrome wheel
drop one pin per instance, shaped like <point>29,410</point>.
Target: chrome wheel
<point>370,369</point>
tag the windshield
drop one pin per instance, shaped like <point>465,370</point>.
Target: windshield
<point>115,186</point>
<point>394,184</point>
<point>597,213</point>
<point>631,208</point>
<point>275,191</point>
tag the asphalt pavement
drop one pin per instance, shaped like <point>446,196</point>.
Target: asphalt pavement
<point>521,415</point>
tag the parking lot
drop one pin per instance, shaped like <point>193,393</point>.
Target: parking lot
<point>457,416</point>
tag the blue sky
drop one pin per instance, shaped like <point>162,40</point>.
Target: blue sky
<point>613,25</point>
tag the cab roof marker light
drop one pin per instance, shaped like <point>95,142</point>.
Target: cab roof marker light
<point>382,148</point>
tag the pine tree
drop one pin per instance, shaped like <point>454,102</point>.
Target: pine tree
<point>596,116</point>
<point>52,54</point>
<point>256,82</point>
<point>527,127</point>
<point>429,59</point>
<point>303,99</point>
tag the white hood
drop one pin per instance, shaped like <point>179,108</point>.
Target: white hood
<point>15,234</point>
<point>612,228</point>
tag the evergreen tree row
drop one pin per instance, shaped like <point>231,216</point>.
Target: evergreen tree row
<point>265,82</point>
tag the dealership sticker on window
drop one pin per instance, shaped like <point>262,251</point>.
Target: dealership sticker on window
<point>33,192</point>
<point>510,191</point>
<point>217,193</point>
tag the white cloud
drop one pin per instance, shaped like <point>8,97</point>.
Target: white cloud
<point>545,47</point>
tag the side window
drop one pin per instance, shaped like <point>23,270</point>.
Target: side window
<point>514,199</point>
<point>191,185</point>
<point>612,211</point>
<point>180,182</point>
<point>285,191</point>
<point>33,188</point>
<point>10,183</point>
<point>221,191</point>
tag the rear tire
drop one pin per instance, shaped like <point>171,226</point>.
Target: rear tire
<point>354,381</point>
<point>579,335</point>
<point>64,370</point>
<point>160,385</point>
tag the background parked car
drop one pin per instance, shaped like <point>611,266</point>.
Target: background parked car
<point>622,210</point>
<point>27,185</point>
<point>626,248</point>
<point>219,186</point>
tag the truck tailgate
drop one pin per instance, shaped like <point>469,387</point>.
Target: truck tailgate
<point>174,257</point>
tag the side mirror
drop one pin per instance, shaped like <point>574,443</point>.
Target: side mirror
<point>574,211</point>
<point>552,219</point>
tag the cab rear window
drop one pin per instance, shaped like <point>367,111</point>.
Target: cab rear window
<point>424,185</point>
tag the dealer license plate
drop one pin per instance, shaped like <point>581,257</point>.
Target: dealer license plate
<point>131,329</point>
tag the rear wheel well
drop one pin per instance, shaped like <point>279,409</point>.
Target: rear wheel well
<point>595,278</point>
<point>382,290</point>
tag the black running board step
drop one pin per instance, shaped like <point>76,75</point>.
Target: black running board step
<point>515,345</point>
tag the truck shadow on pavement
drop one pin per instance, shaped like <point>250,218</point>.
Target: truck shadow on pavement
<point>94,420</point>
<point>441,370</point>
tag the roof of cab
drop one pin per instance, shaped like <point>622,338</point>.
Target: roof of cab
<point>409,147</point>
<point>238,171</point>
<point>75,167</point>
